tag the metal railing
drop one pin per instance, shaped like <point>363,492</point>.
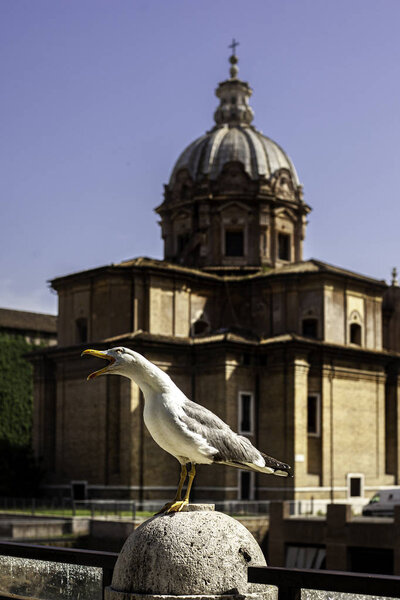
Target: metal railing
<point>290,582</point>
<point>68,506</point>
<point>87,558</point>
<point>102,507</point>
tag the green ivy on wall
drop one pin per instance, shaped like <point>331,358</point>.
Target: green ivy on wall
<point>18,473</point>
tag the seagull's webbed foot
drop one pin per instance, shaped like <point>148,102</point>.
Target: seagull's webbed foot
<point>177,506</point>
<point>165,508</point>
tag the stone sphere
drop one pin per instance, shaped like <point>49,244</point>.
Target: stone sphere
<point>187,553</point>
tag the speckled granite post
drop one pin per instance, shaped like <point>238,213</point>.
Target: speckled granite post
<point>195,554</point>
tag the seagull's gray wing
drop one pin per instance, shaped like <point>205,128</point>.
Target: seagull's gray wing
<point>232,449</point>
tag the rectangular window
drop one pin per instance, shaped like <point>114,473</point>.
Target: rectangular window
<point>314,415</point>
<point>246,411</point>
<point>79,490</point>
<point>283,246</point>
<point>246,485</point>
<point>234,243</point>
<point>355,485</point>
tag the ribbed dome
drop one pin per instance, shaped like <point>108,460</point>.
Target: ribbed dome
<point>207,155</point>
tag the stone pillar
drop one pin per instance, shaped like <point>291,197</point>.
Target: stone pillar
<point>337,517</point>
<point>278,512</point>
<point>186,555</point>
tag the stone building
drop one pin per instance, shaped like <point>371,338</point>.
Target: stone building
<point>300,356</point>
<point>38,329</point>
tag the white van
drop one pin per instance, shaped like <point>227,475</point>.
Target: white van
<point>382,503</point>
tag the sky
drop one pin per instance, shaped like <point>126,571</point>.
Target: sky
<point>99,98</point>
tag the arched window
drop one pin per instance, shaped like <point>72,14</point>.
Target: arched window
<point>309,327</point>
<point>284,251</point>
<point>355,334</point>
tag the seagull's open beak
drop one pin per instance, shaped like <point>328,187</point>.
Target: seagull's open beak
<point>99,354</point>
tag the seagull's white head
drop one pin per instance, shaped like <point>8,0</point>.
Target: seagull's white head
<point>126,362</point>
<point>121,361</point>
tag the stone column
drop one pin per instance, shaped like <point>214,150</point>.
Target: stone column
<point>337,517</point>
<point>190,554</point>
<point>278,512</point>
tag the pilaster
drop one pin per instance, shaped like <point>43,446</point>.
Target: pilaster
<point>300,369</point>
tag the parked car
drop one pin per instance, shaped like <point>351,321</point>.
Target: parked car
<point>382,503</point>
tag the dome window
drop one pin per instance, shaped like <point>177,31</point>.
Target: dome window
<point>284,246</point>
<point>234,243</point>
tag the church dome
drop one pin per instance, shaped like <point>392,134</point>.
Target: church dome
<point>233,200</point>
<point>233,139</point>
<point>259,155</point>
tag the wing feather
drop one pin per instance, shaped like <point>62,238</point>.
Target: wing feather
<point>231,448</point>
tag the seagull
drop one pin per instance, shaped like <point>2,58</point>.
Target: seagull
<point>190,432</point>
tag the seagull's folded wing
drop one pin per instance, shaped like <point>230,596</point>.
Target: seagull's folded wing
<point>230,447</point>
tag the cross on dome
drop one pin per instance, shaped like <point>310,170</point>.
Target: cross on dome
<point>233,46</point>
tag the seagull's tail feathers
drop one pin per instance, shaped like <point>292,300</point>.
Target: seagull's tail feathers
<point>272,466</point>
<point>278,467</point>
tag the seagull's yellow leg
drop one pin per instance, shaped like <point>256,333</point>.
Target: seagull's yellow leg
<point>178,495</point>
<point>178,505</point>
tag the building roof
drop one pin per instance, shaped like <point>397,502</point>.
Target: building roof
<point>318,266</point>
<point>307,267</point>
<point>236,338</point>
<point>218,336</point>
<point>27,321</point>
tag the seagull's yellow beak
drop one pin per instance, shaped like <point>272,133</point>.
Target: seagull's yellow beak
<point>99,354</point>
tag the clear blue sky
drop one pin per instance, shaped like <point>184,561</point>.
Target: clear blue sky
<point>99,97</point>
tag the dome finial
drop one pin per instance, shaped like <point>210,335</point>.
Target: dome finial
<point>233,59</point>
<point>394,277</point>
<point>234,96</point>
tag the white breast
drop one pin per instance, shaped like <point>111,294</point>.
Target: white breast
<point>161,416</point>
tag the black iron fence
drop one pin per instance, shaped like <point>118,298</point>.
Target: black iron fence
<point>289,582</point>
<point>68,506</point>
<point>92,507</point>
